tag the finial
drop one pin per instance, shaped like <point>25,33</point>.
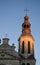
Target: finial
<point>6,35</point>
<point>26,11</point>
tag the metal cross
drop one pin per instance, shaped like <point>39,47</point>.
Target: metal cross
<point>6,35</point>
<point>26,10</point>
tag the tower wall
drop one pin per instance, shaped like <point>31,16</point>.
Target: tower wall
<point>26,39</point>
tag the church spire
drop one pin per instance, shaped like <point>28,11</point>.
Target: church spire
<point>26,40</point>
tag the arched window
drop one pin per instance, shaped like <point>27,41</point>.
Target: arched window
<point>27,26</point>
<point>23,47</point>
<point>24,26</point>
<point>28,64</point>
<point>28,46</point>
<point>19,46</point>
<point>23,63</point>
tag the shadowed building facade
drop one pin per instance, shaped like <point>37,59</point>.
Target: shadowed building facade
<point>25,54</point>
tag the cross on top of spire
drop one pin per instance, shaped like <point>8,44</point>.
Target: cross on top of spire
<point>6,35</point>
<point>26,10</point>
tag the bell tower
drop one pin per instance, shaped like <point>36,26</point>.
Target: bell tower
<point>26,44</point>
<point>26,40</point>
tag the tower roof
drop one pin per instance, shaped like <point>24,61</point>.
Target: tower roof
<point>26,17</point>
<point>26,21</point>
<point>26,31</point>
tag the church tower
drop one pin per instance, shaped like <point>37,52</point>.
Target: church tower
<point>26,44</point>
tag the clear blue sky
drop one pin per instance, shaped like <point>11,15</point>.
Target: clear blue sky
<point>12,16</point>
